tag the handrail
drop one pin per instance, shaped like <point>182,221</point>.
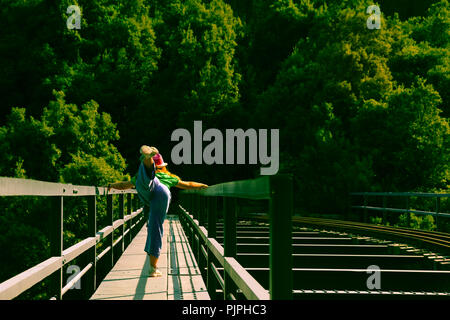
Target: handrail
<point>248,189</point>
<point>402,194</point>
<point>200,206</point>
<point>30,187</point>
<point>407,195</point>
<point>53,266</point>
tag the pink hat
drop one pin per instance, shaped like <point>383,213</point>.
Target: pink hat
<point>159,162</point>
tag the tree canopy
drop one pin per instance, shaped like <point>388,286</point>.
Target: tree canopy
<point>358,109</point>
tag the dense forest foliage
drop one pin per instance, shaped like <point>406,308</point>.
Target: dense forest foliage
<point>358,109</point>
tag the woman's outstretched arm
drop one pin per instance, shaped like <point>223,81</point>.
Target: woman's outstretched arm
<point>121,185</point>
<point>191,185</point>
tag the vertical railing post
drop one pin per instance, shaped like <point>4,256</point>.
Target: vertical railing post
<point>366,218</point>
<point>202,259</point>
<point>197,251</point>
<point>280,252</point>
<point>211,217</point>
<point>384,210</point>
<point>191,237</point>
<point>110,219</point>
<point>229,242</point>
<point>438,207</point>
<point>133,209</point>
<point>56,244</point>
<point>194,208</point>
<point>195,212</point>
<point>408,214</point>
<point>90,284</point>
<point>190,210</point>
<point>197,239</point>
<point>130,221</point>
<point>144,215</point>
<point>229,227</point>
<point>348,214</point>
<point>202,211</point>
<point>136,207</point>
<point>122,216</point>
<point>194,215</point>
<point>189,203</point>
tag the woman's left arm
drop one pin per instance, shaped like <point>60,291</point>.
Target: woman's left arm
<point>121,185</point>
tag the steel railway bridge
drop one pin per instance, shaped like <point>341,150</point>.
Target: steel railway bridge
<point>236,240</point>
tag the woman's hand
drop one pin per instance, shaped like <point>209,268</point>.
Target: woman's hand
<point>202,186</point>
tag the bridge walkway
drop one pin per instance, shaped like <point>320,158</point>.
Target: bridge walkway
<point>181,279</point>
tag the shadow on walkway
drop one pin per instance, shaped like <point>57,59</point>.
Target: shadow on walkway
<point>140,287</point>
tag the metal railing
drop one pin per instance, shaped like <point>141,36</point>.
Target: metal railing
<point>200,207</point>
<point>60,257</point>
<point>385,209</point>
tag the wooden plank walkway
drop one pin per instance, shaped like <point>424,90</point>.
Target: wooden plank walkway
<point>181,280</point>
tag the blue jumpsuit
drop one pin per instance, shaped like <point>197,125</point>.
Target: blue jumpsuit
<point>156,196</point>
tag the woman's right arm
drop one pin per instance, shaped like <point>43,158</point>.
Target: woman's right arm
<point>191,185</point>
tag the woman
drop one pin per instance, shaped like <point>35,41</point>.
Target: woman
<point>152,183</point>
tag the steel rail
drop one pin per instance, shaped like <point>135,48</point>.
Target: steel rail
<point>424,236</point>
<point>435,238</point>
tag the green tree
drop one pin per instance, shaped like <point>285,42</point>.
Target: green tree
<point>67,144</point>
<point>111,59</point>
<point>343,99</point>
<point>196,77</point>
<point>427,54</point>
<point>407,138</point>
<point>49,148</point>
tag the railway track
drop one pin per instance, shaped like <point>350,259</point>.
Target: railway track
<point>430,240</point>
<point>439,240</point>
<point>333,259</point>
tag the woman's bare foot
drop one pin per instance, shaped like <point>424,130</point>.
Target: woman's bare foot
<point>154,272</point>
<point>148,152</point>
